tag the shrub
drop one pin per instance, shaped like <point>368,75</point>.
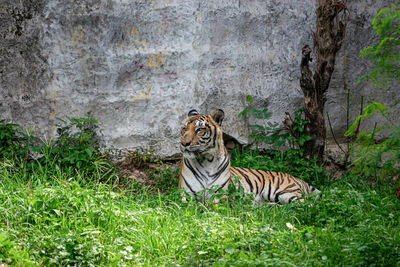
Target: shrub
<point>371,157</point>
<point>385,54</point>
<point>14,143</point>
<point>75,148</point>
<point>272,135</point>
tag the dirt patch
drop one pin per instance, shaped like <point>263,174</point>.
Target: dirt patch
<point>143,168</point>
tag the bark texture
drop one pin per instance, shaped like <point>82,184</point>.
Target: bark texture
<point>332,17</point>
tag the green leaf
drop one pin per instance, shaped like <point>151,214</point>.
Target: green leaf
<point>369,110</point>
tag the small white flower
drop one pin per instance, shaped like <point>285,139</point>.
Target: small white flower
<point>290,226</point>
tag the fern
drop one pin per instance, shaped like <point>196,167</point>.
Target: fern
<point>384,55</point>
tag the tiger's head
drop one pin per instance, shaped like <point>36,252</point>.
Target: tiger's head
<point>201,134</point>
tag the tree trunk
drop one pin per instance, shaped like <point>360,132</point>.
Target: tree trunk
<point>314,101</point>
<point>332,17</point>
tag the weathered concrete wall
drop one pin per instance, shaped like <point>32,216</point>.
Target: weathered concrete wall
<point>139,66</point>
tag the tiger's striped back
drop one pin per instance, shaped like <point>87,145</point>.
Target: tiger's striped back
<point>272,186</point>
<point>206,165</point>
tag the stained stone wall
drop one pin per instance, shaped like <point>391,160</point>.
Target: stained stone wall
<point>138,66</point>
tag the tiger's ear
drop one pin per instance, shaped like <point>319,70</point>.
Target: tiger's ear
<point>218,116</point>
<point>192,113</point>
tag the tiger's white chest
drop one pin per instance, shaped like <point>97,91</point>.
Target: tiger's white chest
<point>205,174</point>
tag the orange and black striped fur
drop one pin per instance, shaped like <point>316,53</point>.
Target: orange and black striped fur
<point>206,164</point>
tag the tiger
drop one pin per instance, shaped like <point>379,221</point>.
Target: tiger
<point>205,167</point>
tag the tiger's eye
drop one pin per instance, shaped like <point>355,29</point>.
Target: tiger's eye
<point>183,129</point>
<point>199,130</point>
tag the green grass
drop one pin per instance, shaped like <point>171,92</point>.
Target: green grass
<point>50,217</point>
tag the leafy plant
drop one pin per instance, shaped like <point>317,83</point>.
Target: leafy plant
<point>289,160</point>
<point>14,143</point>
<point>269,133</point>
<point>297,132</point>
<point>384,55</point>
<point>371,157</point>
<point>374,158</point>
<point>77,147</point>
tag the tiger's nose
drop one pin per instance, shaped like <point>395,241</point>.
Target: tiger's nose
<point>186,140</point>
